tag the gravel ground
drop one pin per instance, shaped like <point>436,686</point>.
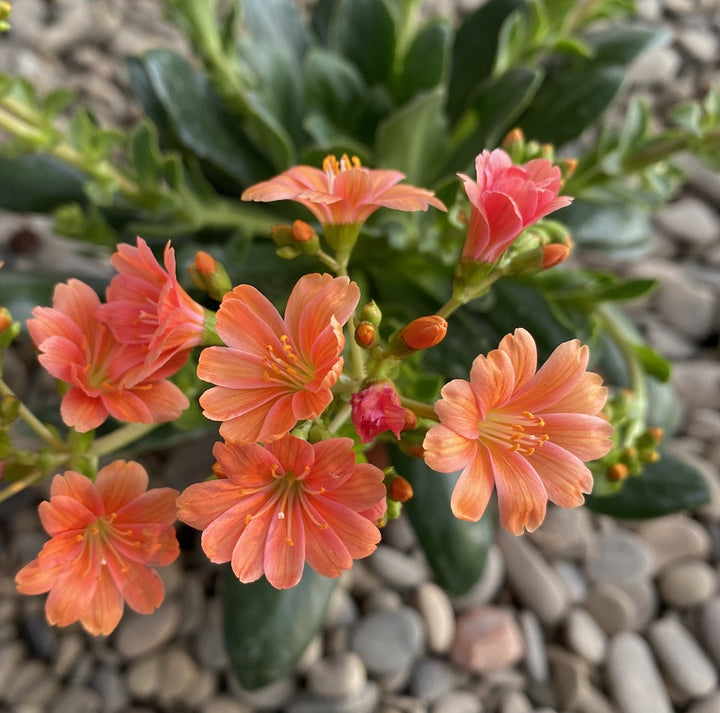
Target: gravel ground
<point>586,615</point>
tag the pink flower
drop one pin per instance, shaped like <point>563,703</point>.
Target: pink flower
<point>286,503</point>
<point>525,433</point>
<point>376,409</point>
<point>343,192</point>
<point>105,377</point>
<point>505,200</point>
<point>105,538</point>
<point>275,372</point>
<point>147,306</point>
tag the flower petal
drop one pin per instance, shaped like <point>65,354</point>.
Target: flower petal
<point>472,491</point>
<point>522,499</point>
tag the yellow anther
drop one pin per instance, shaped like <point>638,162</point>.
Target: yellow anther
<point>289,542</point>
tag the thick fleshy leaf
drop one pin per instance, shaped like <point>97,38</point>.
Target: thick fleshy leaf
<point>474,49</point>
<point>455,549</point>
<point>495,105</point>
<point>352,23</point>
<point>413,138</point>
<point>570,101</point>
<point>267,629</point>
<point>426,61</point>
<point>668,486</point>
<point>199,118</point>
<point>38,183</point>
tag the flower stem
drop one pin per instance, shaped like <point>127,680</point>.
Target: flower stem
<point>121,437</point>
<point>19,485</point>
<point>33,422</point>
<point>419,408</point>
<point>339,419</point>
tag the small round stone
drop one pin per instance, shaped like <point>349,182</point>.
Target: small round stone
<point>585,636</point>
<point>487,639</point>
<point>619,557</point>
<point>633,676</point>
<point>138,634</point>
<point>437,612</point>
<point>342,674</point>
<point>681,658</point>
<point>612,608</point>
<point>458,702</point>
<point>397,569</point>
<point>675,537</point>
<point>687,583</point>
<point>388,640</point>
<point>432,678</point>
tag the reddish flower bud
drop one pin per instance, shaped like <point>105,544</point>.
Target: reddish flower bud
<point>424,332</point>
<point>205,263</point>
<point>377,409</point>
<point>400,490</point>
<point>302,232</point>
<point>209,275</point>
<point>411,420</point>
<point>366,335</point>
<point>554,254</point>
<point>617,472</point>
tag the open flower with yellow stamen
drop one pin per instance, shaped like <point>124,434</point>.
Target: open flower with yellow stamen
<point>284,504</point>
<point>343,191</point>
<point>526,434</point>
<point>275,372</point>
<point>106,538</point>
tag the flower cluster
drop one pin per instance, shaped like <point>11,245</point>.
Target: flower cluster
<point>297,403</point>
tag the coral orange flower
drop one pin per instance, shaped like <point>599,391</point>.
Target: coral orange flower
<point>505,200</point>
<point>525,433</point>
<point>105,377</point>
<point>377,409</point>
<point>105,539</point>
<point>343,191</point>
<point>275,372</point>
<point>285,504</point>
<point>146,305</point>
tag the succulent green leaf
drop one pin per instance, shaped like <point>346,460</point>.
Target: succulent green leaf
<point>665,487</point>
<point>357,25</point>
<point>620,229</point>
<point>200,120</point>
<point>455,549</point>
<point>473,52</point>
<point>412,139</point>
<point>426,62</point>
<point>38,183</point>
<point>497,104</point>
<point>267,629</point>
<point>569,101</point>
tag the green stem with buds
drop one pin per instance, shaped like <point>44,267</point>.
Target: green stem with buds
<point>45,434</point>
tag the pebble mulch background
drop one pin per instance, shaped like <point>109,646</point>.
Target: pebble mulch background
<point>587,615</point>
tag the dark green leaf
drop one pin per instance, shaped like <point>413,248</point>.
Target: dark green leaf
<point>618,228</point>
<point>38,183</point>
<point>623,291</point>
<point>272,44</point>
<point>412,139</point>
<point>143,91</point>
<point>474,48</point>
<point>426,61</point>
<point>653,363</point>
<point>364,31</point>
<point>455,549</point>
<point>144,154</point>
<point>497,104</point>
<point>620,45</point>
<point>664,487</point>
<point>570,101</point>
<point>199,118</point>
<point>333,94</point>
<point>267,629</point>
